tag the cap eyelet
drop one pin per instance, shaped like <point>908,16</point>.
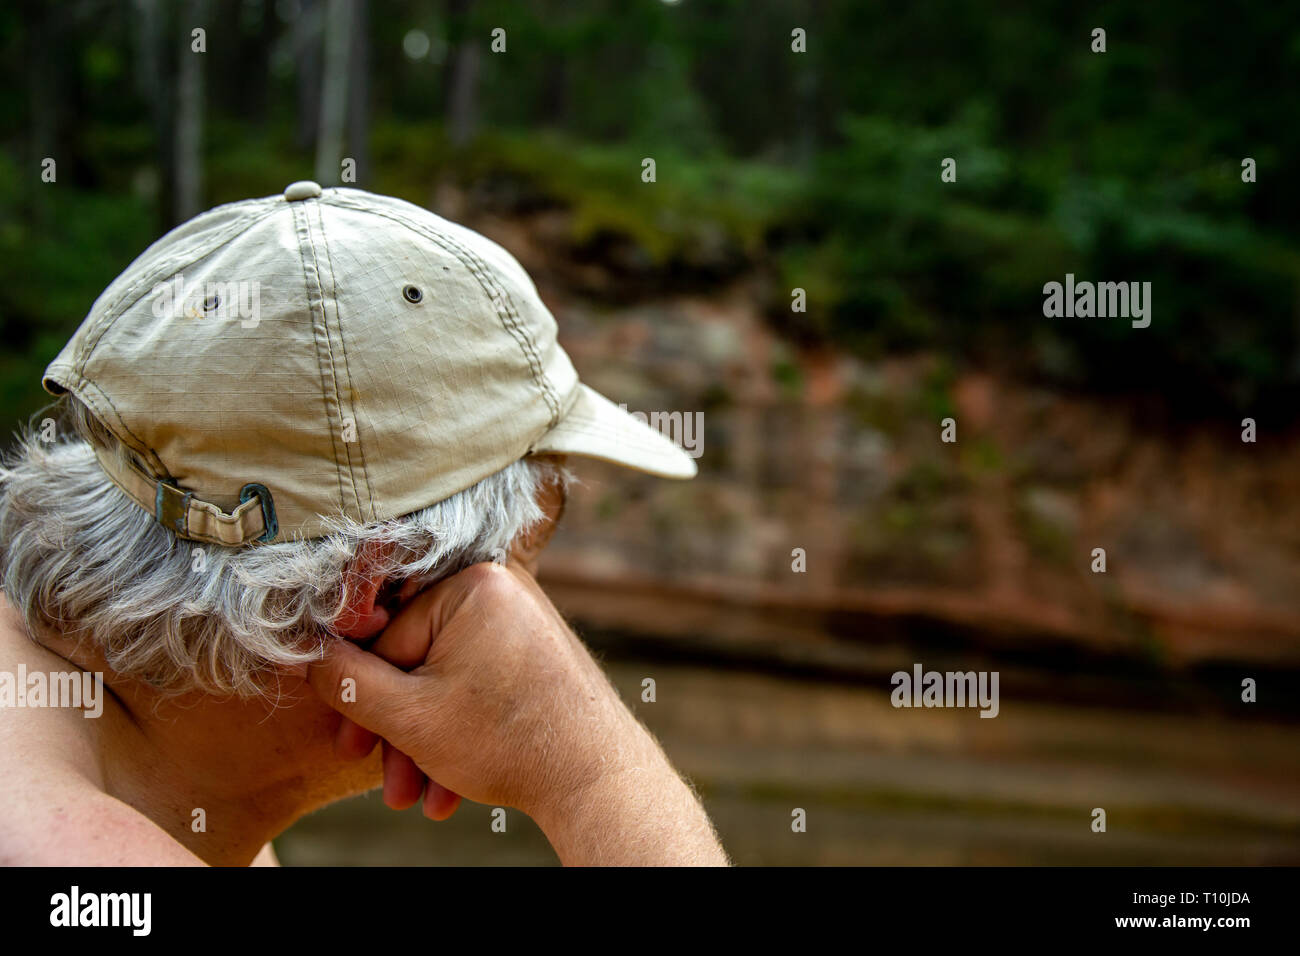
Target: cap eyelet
<point>211,303</point>
<point>412,294</point>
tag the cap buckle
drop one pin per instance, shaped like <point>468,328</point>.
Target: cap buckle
<point>263,494</point>
<point>171,506</point>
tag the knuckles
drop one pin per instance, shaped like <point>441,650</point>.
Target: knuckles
<point>494,584</point>
<point>487,574</point>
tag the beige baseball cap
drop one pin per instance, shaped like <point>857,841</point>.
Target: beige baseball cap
<point>276,362</point>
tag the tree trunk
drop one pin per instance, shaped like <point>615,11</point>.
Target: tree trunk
<point>154,77</point>
<point>359,92</point>
<point>189,117</point>
<point>334,90</point>
<point>44,87</point>
<point>462,74</point>
<point>307,54</point>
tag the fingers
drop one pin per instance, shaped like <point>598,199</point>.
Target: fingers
<point>352,741</point>
<point>405,784</point>
<point>439,802</point>
<point>364,688</point>
<point>403,780</point>
<point>379,700</point>
<point>406,640</point>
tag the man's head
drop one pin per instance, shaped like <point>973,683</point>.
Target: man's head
<point>286,415</point>
<point>83,562</point>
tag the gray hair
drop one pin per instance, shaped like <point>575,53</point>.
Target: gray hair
<point>80,558</point>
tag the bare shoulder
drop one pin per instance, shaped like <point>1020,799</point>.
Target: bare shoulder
<point>59,822</point>
<point>53,811</point>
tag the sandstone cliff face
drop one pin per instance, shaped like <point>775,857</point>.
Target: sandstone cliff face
<point>993,534</point>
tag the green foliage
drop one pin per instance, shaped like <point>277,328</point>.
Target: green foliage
<point>54,262</point>
<point>820,170</point>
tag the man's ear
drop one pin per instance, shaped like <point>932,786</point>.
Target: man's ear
<point>527,548</point>
<point>361,618</point>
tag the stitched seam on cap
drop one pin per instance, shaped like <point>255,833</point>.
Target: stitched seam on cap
<point>165,268</point>
<point>501,302</point>
<point>347,368</point>
<point>338,471</point>
<point>334,377</point>
<point>499,299</point>
<point>84,384</point>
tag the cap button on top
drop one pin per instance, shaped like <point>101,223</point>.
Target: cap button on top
<point>304,189</point>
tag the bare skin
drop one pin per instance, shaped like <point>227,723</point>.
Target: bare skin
<point>537,727</point>
<point>505,706</point>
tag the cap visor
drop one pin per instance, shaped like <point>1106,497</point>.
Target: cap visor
<point>597,428</point>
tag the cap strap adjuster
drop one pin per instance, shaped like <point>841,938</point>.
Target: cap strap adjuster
<point>189,517</point>
<point>171,507</point>
<point>263,495</point>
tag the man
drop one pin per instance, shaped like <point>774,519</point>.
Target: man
<point>295,425</point>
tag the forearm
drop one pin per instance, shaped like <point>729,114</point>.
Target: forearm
<point>643,815</point>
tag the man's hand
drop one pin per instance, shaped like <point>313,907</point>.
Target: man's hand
<point>495,698</point>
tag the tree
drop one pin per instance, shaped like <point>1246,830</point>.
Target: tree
<point>189,116</point>
<point>339,19</point>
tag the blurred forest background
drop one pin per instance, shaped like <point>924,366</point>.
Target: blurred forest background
<point>817,170</point>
